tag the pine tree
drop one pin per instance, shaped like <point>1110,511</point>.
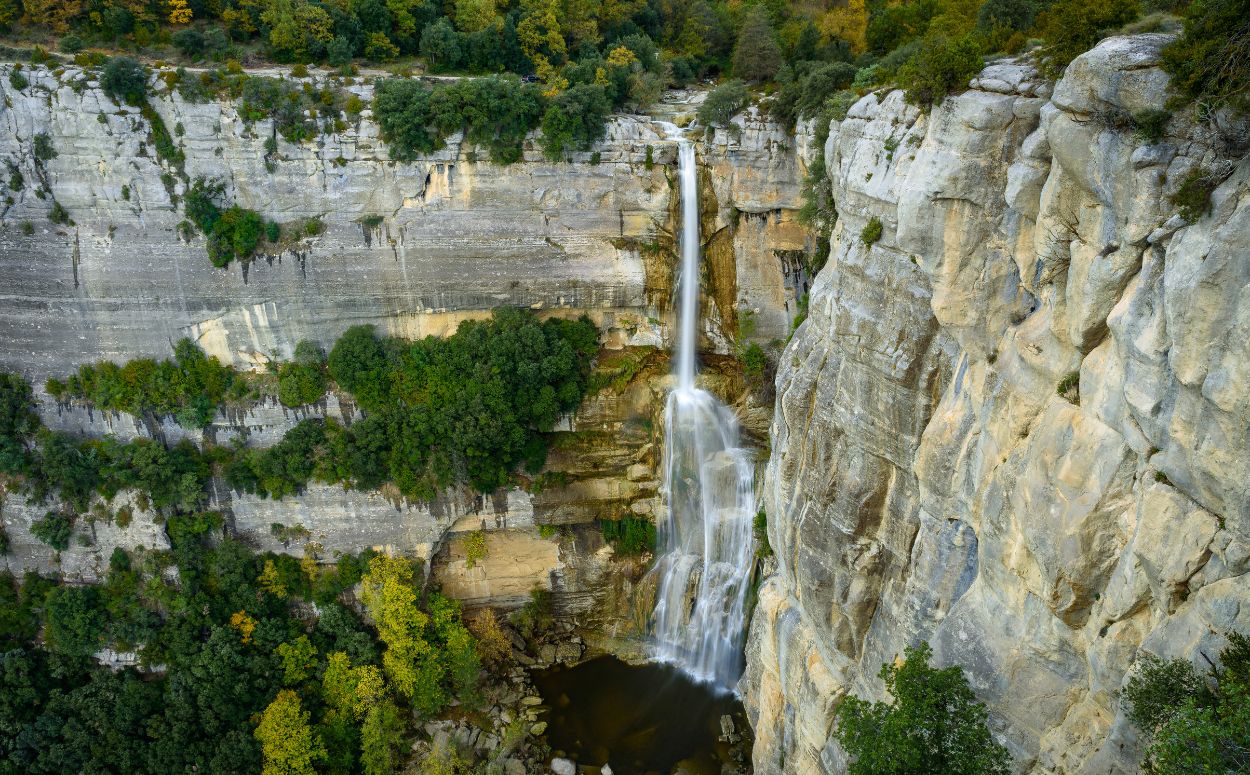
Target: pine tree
<point>757,57</point>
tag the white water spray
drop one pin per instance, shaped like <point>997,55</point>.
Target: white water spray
<point>705,542</point>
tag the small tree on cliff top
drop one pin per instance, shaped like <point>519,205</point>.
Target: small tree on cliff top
<point>934,724</point>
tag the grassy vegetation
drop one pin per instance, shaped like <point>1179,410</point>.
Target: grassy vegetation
<point>629,535</point>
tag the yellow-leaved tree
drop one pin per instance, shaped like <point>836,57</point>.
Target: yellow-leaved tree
<point>410,661</point>
<point>180,12</point>
<point>848,22</point>
<point>288,744</point>
<point>350,691</point>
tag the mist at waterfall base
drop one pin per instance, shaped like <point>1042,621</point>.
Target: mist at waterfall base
<point>704,542</point>
<point>639,719</point>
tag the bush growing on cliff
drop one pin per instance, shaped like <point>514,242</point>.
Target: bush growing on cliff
<point>722,103</point>
<point>402,109</point>
<point>943,65</point>
<point>54,529</point>
<point>872,231</point>
<point>1210,62</point>
<point>1194,722</point>
<point>933,724</point>
<point>125,80</point>
<point>18,422</point>
<point>629,535</point>
<point>303,380</point>
<point>575,120</point>
<point>1069,28</point>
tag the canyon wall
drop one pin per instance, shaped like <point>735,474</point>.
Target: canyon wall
<point>927,481</point>
<point>413,248</point>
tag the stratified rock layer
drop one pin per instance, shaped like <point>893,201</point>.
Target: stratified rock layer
<point>928,482</point>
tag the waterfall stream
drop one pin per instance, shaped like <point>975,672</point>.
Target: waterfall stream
<point>705,542</point>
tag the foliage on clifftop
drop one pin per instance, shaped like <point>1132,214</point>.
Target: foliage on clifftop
<point>246,675</point>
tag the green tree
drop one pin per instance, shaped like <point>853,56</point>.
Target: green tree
<point>1209,62</point>
<point>75,618</point>
<point>757,57</point>
<point>1069,28</point>
<point>402,109</point>
<point>943,65</point>
<point>575,120</point>
<point>1194,723</point>
<point>289,745</point>
<point>381,739</point>
<point>441,46</point>
<point>720,105</point>
<point>934,724</point>
<point>18,422</point>
<point>125,80</point>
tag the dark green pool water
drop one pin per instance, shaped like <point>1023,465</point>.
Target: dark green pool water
<point>640,719</point>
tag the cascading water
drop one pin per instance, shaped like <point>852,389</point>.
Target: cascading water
<point>705,542</point>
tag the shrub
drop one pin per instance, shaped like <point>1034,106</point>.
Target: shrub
<point>189,42</point>
<point>933,724</point>
<point>943,65</point>
<point>760,528</point>
<point>59,215</point>
<point>42,147</point>
<point>753,361</point>
<point>722,103</point>
<point>872,231</point>
<point>1210,61</point>
<point>70,44</point>
<point>1150,125</point>
<point>474,548</point>
<point>575,120</point>
<point>303,381</point>
<point>629,535</point>
<point>1069,388</point>
<point>236,235</point>
<point>54,529</point>
<point>125,80</point>
<point>1192,198</point>
<point>493,644</point>
<point>402,109</point>
<point>1069,28</point>
<point>17,80</point>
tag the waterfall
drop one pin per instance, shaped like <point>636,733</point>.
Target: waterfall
<point>705,542</point>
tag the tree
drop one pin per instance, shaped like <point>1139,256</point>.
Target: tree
<point>942,66</point>
<point>476,15</point>
<point>1209,61</point>
<point>440,45</point>
<point>934,724</point>
<point>850,23</point>
<point>381,738</point>
<point>75,618</point>
<point>288,744</point>
<point>575,120</point>
<point>402,109</point>
<point>125,80</point>
<point>722,103</point>
<point>55,14</point>
<point>757,57</point>
<point>1069,28</point>
<point>18,422</point>
<point>1194,723</point>
<point>180,12</point>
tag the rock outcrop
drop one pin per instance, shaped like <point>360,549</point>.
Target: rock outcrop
<point>927,479</point>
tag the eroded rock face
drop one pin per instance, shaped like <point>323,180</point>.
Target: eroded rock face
<point>412,247</point>
<point>927,482</point>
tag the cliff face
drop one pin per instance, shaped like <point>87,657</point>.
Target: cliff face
<point>413,248</point>
<point>927,482</point>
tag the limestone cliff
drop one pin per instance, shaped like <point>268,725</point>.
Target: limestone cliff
<point>927,481</point>
<point>411,247</point>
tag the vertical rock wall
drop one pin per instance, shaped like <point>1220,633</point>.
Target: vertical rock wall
<point>926,480</point>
